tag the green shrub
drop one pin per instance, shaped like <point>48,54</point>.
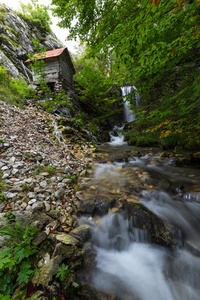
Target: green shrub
<point>15,258</point>
<point>50,169</point>
<point>4,78</point>
<point>59,100</point>
<point>13,90</point>
<point>93,127</point>
<point>37,14</point>
<point>2,188</point>
<point>146,141</point>
<point>172,141</point>
<point>77,122</point>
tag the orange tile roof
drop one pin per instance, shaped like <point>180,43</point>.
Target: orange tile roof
<point>48,54</point>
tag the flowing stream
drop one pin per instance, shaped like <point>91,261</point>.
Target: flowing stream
<point>127,263</point>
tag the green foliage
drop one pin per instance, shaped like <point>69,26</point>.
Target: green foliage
<point>95,85</point>
<point>59,100</point>
<point>77,122</point>
<point>2,189</point>
<point>38,14</point>
<point>26,187</point>
<point>62,272</point>
<point>15,264</point>
<point>161,57</point>
<point>73,178</point>
<point>14,91</point>
<point>93,127</point>
<point>50,169</point>
<point>2,297</point>
<point>9,216</point>
<point>37,170</point>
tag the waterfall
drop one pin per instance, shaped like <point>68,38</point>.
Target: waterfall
<point>116,137</point>
<point>58,133</point>
<point>128,266</point>
<point>129,115</point>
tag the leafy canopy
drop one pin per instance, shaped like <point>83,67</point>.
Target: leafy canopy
<point>157,42</point>
<point>144,36</point>
<point>38,14</point>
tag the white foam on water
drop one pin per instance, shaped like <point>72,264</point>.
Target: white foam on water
<point>117,138</point>
<point>138,270</point>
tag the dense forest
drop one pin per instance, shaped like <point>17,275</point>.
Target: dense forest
<point>151,44</point>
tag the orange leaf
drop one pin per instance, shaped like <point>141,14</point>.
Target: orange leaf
<point>8,207</point>
<point>152,2</point>
<point>181,2</point>
<point>158,2</point>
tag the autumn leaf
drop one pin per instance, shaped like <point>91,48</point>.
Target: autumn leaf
<point>195,33</point>
<point>198,2</point>
<point>181,2</point>
<point>158,2</point>
<point>152,2</point>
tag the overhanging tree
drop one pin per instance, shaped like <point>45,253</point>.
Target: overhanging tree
<point>157,41</point>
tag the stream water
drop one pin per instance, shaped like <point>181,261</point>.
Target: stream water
<point>127,263</point>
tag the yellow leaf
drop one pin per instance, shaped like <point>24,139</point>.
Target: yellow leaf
<point>172,52</point>
<point>198,2</point>
<point>182,38</point>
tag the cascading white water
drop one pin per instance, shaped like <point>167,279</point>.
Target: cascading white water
<point>129,115</point>
<point>126,263</point>
<point>133,269</point>
<point>58,133</point>
<point>185,214</point>
<point>116,137</point>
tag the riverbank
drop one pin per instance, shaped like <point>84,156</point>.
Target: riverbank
<point>39,189</point>
<point>49,186</point>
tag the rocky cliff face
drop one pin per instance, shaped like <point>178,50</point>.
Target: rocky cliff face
<point>17,34</point>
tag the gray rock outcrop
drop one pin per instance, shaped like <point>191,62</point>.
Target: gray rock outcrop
<point>17,34</point>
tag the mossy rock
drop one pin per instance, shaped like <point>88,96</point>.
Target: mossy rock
<point>47,272</point>
<point>196,156</point>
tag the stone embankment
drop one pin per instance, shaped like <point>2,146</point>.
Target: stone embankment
<point>40,184</point>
